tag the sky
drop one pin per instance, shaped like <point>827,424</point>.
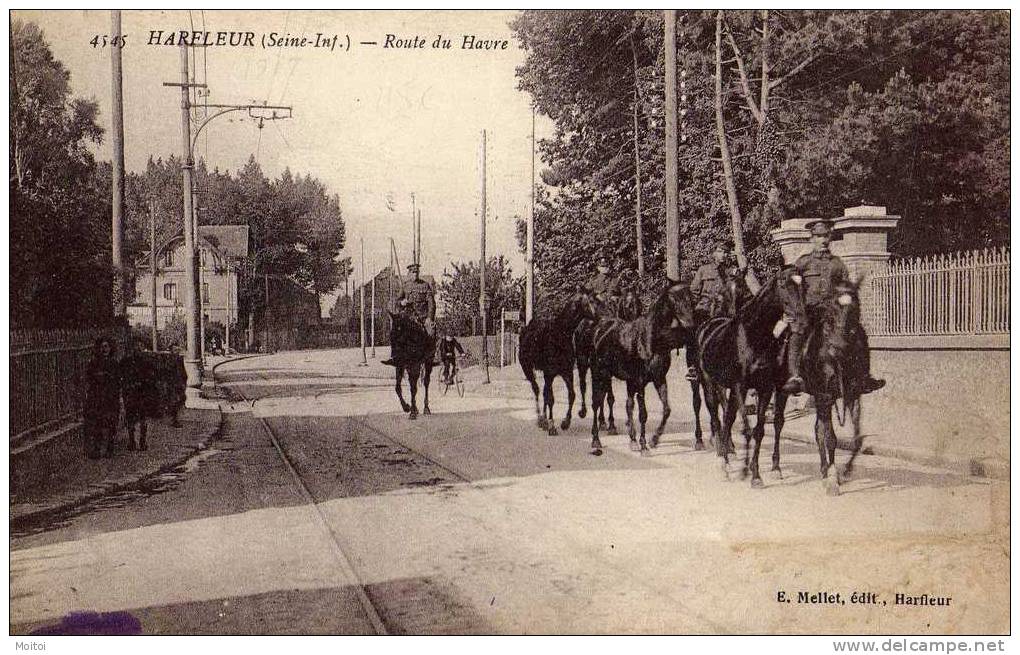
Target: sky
<point>375,124</point>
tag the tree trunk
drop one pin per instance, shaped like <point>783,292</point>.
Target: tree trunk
<point>724,152</point>
<point>637,167</point>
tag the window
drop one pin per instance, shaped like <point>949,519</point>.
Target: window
<point>170,291</point>
<point>168,258</point>
<point>205,292</point>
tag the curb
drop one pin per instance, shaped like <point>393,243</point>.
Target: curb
<point>106,487</point>
<point>995,468</point>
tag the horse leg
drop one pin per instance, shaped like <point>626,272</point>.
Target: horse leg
<point>643,417</point>
<point>822,408</point>
<point>400,393</point>
<point>550,399</point>
<point>712,402</point>
<point>834,476</point>
<point>413,371</point>
<point>778,421</point>
<point>699,444</point>
<point>426,377</point>
<point>855,418</point>
<point>568,378</point>
<point>724,444</point>
<point>759,436</point>
<point>582,374</point>
<point>610,400</point>
<point>738,400</point>
<point>598,390</point>
<point>630,416</point>
<point>529,373</point>
<point>662,388</point>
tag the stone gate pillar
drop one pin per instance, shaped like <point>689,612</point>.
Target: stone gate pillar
<point>860,238</point>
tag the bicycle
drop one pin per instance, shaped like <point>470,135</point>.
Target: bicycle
<point>454,379</point>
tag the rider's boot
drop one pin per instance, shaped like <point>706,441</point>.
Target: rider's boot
<point>869,383</point>
<point>795,384</point>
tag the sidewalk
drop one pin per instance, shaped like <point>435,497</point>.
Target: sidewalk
<point>82,480</point>
<point>886,432</point>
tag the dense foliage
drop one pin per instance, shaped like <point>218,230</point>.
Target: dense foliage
<point>906,109</point>
<point>459,290</point>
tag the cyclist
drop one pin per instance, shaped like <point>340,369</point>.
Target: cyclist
<point>448,349</point>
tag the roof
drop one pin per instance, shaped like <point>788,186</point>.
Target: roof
<point>230,240</point>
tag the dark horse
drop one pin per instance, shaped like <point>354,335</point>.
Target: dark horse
<point>416,350</point>
<point>547,344</point>
<point>743,352</point>
<point>731,296</point>
<point>626,308</point>
<point>831,372</point>
<point>638,352</point>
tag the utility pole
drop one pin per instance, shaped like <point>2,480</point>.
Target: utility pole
<point>265,317</point>
<point>414,232</point>
<point>529,271</point>
<point>119,296</point>
<point>373,314</point>
<point>364,359</point>
<point>417,256</point>
<point>637,168</point>
<point>672,165</point>
<point>481,274</point>
<point>152,271</point>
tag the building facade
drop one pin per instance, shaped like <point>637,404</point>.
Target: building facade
<point>220,249</point>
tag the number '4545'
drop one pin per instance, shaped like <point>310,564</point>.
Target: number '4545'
<point>102,40</point>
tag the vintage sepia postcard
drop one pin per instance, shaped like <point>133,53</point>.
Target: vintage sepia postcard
<point>518,322</point>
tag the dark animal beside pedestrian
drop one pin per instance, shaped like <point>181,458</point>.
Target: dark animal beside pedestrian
<point>638,352</point>
<point>101,411</point>
<point>547,345</point>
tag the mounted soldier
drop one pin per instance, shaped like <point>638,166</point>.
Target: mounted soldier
<point>707,286</point>
<point>604,285</point>
<point>821,271</point>
<point>417,299</point>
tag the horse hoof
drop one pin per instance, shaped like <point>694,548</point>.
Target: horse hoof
<point>756,483</point>
<point>744,473</point>
<point>597,452</point>
<point>427,412</point>
<point>413,416</point>
<point>541,423</point>
<point>552,431</point>
<point>654,442</point>
<point>778,471</point>
<point>582,413</point>
<point>699,445</point>
<point>565,424</point>
<point>847,471</point>
<point>406,408</point>
<point>634,447</point>
<point>612,431</point>
<point>645,452</point>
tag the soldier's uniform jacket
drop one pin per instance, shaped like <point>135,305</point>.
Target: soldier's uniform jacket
<point>821,271</point>
<point>707,283</point>
<point>420,298</point>
<point>602,286</point>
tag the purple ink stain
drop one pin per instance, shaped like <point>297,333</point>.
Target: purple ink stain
<point>93,623</point>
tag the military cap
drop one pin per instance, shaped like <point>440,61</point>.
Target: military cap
<point>413,267</point>
<point>819,226</point>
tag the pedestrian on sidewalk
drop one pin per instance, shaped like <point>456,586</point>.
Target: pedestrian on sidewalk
<point>139,391</point>
<point>101,412</point>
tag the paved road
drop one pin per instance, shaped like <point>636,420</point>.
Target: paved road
<point>473,521</point>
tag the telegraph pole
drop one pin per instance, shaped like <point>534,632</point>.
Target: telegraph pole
<point>119,297</point>
<point>481,274</point>
<point>414,232</point>
<point>529,271</point>
<point>417,255</point>
<point>373,314</point>
<point>672,165</point>
<point>152,271</point>
<point>364,359</point>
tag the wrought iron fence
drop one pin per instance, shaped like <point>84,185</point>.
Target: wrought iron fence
<point>47,370</point>
<point>964,293</point>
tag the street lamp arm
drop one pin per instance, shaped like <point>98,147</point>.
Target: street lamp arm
<point>226,110</point>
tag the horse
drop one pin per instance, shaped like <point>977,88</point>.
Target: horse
<point>743,352</point>
<point>416,350</point>
<point>547,344</point>
<point>725,303</point>
<point>638,352</point>
<point>626,308</point>
<point>830,372</point>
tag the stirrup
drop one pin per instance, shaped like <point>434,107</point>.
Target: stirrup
<point>872,384</point>
<point>692,374</point>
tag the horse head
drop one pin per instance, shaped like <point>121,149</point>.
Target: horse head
<point>843,317</point>
<point>628,307</point>
<point>582,304</point>
<point>678,304</point>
